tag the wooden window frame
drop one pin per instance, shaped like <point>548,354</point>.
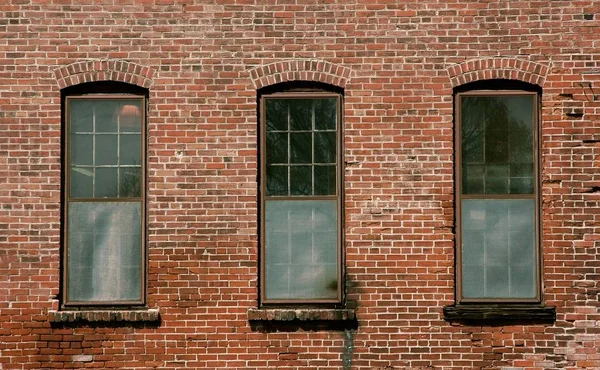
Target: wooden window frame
<point>535,196</point>
<point>302,94</point>
<point>66,302</point>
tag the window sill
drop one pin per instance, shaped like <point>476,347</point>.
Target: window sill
<point>104,316</point>
<point>305,314</point>
<point>500,312</point>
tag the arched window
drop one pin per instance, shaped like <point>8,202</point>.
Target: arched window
<point>301,193</point>
<point>497,191</point>
<point>104,194</point>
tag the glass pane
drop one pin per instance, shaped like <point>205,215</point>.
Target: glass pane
<point>473,248</point>
<point>325,147</point>
<point>279,246</point>
<point>301,114</point>
<point>81,149</point>
<point>301,180</point>
<point>497,236</point>
<point>521,178</point>
<point>130,182</point>
<point>496,281</point>
<point>322,253</point>
<point>277,180</point>
<point>325,114</point>
<point>521,169</point>
<point>521,232</point>
<point>496,146</point>
<point>104,251</point>
<point>301,147</point>
<point>325,180</point>
<point>473,179</point>
<point>106,150</point>
<point>497,245</point>
<point>521,110</point>
<point>473,282</point>
<point>308,230</point>
<point>130,151</point>
<point>496,179</point>
<point>81,115</point>
<point>313,281</point>
<point>130,116</point>
<point>276,114</point>
<point>301,244</point>
<point>472,143</point>
<point>474,112</point>
<point>525,276</point>
<point>278,281</point>
<point>81,181</point>
<point>521,146</point>
<point>107,112</point>
<point>521,185</point>
<point>106,183</point>
<point>277,147</point>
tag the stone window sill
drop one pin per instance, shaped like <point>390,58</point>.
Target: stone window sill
<point>104,316</point>
<point>305,315</point>
<point>500,312</point>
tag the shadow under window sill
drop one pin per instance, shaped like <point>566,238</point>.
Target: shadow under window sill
<point>500,313</point>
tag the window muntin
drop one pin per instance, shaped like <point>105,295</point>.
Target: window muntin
<point>497,196</point>
<point>301,207</point>
<point>104,194</point>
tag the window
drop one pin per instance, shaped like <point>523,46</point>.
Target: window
<point>104,199</point>
<point>300,202</point>
<point>497,196</point>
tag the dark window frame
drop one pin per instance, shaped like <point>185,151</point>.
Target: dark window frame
<point>301,93</point>
<point>505,89</point>
<point>108,91</point>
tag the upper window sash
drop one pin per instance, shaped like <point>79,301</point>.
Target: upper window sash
<point>301,141</point>
<point>105,152</point>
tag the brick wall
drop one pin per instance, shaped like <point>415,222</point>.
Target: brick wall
<point>202,62</point>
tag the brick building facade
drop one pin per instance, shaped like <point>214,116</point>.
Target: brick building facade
<point>303,184</point>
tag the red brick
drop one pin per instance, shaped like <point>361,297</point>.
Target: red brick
<point>397,63</point>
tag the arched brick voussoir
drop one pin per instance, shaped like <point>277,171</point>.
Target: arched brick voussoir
<point>300,70</point>
<point>104,70</point>
<point>498,68</point>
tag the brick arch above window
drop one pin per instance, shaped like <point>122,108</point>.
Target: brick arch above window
<point>498,69</point>
<point>300,70</point>
<point>104,70</point>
